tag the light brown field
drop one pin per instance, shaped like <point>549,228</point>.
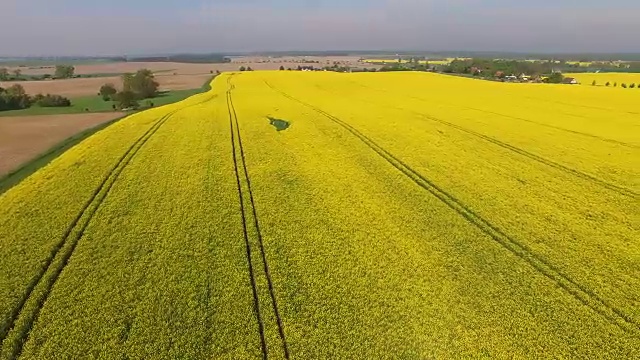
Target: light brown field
<point>22,138</point>
<point>91,86</point>
<point>171,76</point>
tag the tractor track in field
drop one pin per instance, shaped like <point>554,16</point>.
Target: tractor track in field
<point>234,123</point>
<point>613,187</point>
<point>69,244</point>
<point>585,176</point>
<point>579,292</point>
<point>612,141</point>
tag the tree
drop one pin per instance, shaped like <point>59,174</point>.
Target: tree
<point>64,71</point>
<point>126,99</point>
<point>281,68</point>
<point>615,84</point>
<point>249,68</point>
<point>4,74</point>
<point>107,91</point>
<point>17,73</point>
<point>142,84</point>
<point>555,78</point>
<point>607,84</point>
<point>593,83</point>
<point>14,98</point>
<point>632,85</point>
<point>624,85</point>
<point>242,68</point>
<point>52,101</point>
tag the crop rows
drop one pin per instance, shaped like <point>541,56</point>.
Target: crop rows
<point>396,215</point>
<point>581,293</point>
<point>234,126</point>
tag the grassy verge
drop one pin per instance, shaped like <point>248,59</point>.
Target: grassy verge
<point>14,177</point>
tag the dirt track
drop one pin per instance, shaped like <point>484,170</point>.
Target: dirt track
<point>25,137</point>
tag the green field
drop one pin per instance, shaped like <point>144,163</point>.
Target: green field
<point>97,104</point>
<point>321,215</point>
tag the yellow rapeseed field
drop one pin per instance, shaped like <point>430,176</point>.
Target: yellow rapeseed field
<point>320,215</point>
<point>602,79</point>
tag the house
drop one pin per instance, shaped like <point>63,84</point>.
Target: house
<point>569,80</point>
<point>510,78</point>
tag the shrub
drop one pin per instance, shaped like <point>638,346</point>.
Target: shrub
<point>107,91</point>
<point>52,101</point>
<point>632,85</point>
<point>607,84</point>
<point>624,85</point>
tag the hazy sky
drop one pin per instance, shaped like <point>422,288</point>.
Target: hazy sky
<point>82,27</point>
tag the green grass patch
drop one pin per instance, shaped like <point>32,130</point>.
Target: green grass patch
<point>95,103</point>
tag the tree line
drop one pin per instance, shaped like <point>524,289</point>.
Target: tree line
<point>61,72</point>
<point>16,98</point>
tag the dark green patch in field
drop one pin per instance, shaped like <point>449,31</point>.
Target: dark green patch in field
<point>279,124</point>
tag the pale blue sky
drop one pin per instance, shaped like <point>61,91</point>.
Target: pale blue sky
<point>81,27</point>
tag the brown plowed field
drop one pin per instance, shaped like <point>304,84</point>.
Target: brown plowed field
<point>22,138</point>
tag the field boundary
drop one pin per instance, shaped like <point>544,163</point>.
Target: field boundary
<point>25,170</point>
<point>579,292</point>
<point>233,119</point>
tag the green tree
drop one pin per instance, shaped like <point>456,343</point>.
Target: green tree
<point>556,78</point>
<point>242,68</point>
<point>64,71</point>
<point>52,101</point>
<point>126,99</point>
<point>17,73</point>
<point>593,83</point>
<point>615,84</point>
<point>107,91</point>
<point>14,97</point>
<point>624,85</point>
<point>281,68</point>
<point>632,85</point>
<point>607,84</point>
<point>249,68</point>
<point>142,84</point>
<point>4,74</point>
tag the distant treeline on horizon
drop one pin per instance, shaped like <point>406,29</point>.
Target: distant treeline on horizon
<point>226,57</point>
